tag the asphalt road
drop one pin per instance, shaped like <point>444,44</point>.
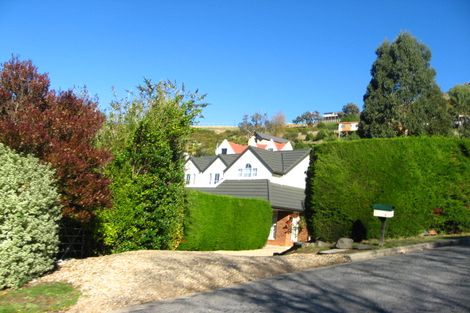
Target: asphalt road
<point>432,281</point>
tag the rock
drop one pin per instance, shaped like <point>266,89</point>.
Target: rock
<point>323,244</point>
<point>344,243</point>
<point>361,246</point>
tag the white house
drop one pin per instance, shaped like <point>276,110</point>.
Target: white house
<point>347,127</point>
<point>258,140</point>
<point>277,176</point>
<point>330,117</point>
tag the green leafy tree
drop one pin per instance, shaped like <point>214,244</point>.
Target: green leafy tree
<point>255,122</point>
<point>147,175</point>
<point>402,97</point>
<point>350,109</point>
<point>459,97</point>
<point>308,118</point>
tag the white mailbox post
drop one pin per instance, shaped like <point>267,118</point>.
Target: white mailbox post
<point>383,212</point>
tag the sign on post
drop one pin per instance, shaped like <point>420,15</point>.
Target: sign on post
<point>383,212</point>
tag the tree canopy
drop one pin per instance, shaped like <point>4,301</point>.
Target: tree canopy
<point>147,174</point>
<point>309,118</point>
<point>59,128</point>
<point>402,97</point>
<point>459,97</point>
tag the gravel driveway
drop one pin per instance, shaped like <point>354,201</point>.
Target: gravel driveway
<point>115,281</point>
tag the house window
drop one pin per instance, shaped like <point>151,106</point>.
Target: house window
<point>224,150</point>
<point>210,178</point>
<point>188,179</point>
<point>248,170</point>
<point>216,178</point>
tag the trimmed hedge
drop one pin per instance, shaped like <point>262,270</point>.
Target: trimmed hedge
<point>426,179</point>
<point>216,222</point>
<point>29,213</point>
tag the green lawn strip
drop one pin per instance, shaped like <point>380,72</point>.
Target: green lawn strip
<point>47,297</point>
<point>399,242</point>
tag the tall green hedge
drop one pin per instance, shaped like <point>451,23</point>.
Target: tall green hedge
<point>216,222</point>
<point>426,179</point>
<point>29,212</point>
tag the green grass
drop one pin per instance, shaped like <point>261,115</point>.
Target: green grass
<point>47,297</point>
<point>400,242</point>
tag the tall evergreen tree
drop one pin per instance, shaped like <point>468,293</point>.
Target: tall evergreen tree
<point>402,97</point>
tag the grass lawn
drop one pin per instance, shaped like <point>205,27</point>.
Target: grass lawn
<point>399,242</point>
<point>48,297</point>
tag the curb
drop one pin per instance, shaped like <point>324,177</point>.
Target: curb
<point>367,255</point>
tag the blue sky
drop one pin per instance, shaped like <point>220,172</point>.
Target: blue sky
<point>248,56</point>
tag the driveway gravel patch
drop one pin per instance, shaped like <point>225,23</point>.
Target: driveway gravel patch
<point>119,280</point>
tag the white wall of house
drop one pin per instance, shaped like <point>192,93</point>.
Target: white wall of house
<point>214,174</point>
<point>295,177</point>
<point>239,169</point>
<point>192,175</point>
<point>211,177</point>
<point>224,145</point>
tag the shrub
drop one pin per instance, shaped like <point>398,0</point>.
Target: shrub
<point>416,175</point>
<point>29,213</point>
<point>216,222</point>
<point>59,128</point>
<point>148,191</point>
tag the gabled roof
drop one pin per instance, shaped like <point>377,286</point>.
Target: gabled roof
<point>202,163</point>
<point>279,145</point>
<point>280,162</point>
<point>280,197</point>
<point>237,148</point>
<point>228,159</point>
<point>269,137</point>
<point>277,162</point>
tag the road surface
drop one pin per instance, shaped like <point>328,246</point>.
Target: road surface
<point>435,280</point>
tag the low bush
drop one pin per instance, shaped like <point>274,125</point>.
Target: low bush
<point>29,214</point>
<point>216,222</point>
<point>426,179</point>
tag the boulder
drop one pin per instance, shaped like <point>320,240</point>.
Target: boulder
<point>323,244</point>
<point>344,243</point>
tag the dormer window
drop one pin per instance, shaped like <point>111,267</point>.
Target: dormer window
<point>248,170</point>
<point>224,150</point>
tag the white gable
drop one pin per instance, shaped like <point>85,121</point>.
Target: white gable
<point>240,168</point>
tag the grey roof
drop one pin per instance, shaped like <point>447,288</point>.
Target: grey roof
<point>202,163</point>
<point>269,137</point>
<point>228,159</point>
<point>281,197</point>
<point>280,162</point>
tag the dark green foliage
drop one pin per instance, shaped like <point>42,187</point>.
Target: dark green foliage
<point>402,97</point>
<point>419,176</point>
<point>216,222</point>
<point>147,187</point>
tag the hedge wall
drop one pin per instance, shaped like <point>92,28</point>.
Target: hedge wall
<point>216,222</point>
<point>426,179</point>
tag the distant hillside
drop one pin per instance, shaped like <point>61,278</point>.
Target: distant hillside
<point>205,138</point>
